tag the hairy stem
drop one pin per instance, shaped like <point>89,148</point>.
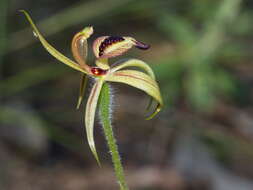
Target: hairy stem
<point>104,109</point>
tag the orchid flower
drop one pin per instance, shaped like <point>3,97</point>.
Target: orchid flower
<point>104,47</point>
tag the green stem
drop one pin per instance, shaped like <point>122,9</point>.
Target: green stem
<point>104,109</point>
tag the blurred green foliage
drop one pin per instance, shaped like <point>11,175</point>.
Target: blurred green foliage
<point>201,54</point>
<point>201,38</point>
<point>203,34</point>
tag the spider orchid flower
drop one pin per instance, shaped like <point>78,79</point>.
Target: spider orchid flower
<point>104,48</point>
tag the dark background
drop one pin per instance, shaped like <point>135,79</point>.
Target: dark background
<point>201,53</point>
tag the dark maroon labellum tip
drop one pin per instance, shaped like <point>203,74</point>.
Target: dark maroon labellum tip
<point>97,71</point>
<point>141,45</point>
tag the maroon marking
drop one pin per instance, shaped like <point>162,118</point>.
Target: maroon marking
<point>107,42</point>
<point>141,45</point>
<point>97,71</point>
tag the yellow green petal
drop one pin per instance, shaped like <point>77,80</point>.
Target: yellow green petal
<point>79,47</point>
<point>90,116</point>
<point>133,63</point>
<point>141,81</point>
<point>82,87</point>
<point>50,48</point>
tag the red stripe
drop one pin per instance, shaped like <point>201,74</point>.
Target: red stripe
<point>121,74</point>
<point>92,95</point>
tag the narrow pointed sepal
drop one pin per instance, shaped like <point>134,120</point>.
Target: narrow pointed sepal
<point>141,81</point>
<point>83,83</point>
<point>50,48</point>
<point>112,46</point>
<point>90,116</point>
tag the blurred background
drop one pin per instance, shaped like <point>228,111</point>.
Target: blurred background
<point>201,53</point>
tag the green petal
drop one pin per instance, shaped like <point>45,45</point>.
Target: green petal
<point>79,47</point>
<point>141,81</point>
<point>133,63</point>
<point>90,116</point>
<point>51,49</point>
<point>83,83</point>
<point>139,64</point>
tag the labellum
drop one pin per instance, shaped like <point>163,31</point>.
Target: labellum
<point>112,46</point>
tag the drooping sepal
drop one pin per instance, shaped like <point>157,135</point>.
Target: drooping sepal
<point>112,46</point>
<point>90,116</point>
<point>83,84</point>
